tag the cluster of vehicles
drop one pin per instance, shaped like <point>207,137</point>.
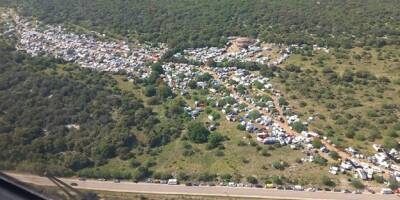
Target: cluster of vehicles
<point>267,186</point>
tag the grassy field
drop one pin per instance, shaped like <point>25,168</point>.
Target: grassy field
<point>372,96</point>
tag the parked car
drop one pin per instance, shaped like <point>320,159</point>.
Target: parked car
<point>149,180</point>
<point>357,192</point>
<point>311,189</point>
<point>346,191</point>
<point>222,184</point>
<point>327,189</point>
<point>240,185</point>
<point>269,185</point>
<point>196,184</point>
<point>82,179</point>
<point>232,184</point>
<point>116,180</point>
<point>188,184</point>
<point>298,188</point>
<point>289,188</point>
<point>386,191</point>
<point>203,184</point>
<point>211,184</point>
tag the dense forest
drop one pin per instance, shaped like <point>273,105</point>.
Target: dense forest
<point>60,118</point>
<point>183,23</point>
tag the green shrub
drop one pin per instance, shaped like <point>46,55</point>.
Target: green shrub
<point>197,132</point>
<point>226,177</point>
<point>359,136</point>
<point>241,127</point>
<point>281,165</point>
<point>298,127</point>
<point>393,184</point>
<point>134,163</point>
<point>207,177</point>
<point>378,179</point>
<point>357,184</point>
<point>334,155</point>
<point>214,140</point>
<point>264,152</point>
<point>252,180</point>
<point>317,143</point>
<point>320,160</point>
<point>327,181</point>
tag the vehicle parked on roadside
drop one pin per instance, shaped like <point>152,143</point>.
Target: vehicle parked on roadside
<point>211,184</point>
<point>173,181</point>
<point>289,187</point>
<point>311,190</point>
<point>346,191</point>
<point>357,192</point>
<point>386,191</point>
<point>298,188</point>
<point>196,183</point>
<point>188,184</point>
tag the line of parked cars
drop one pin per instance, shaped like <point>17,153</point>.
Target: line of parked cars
<point>315,189</point>
<point>267,186</point>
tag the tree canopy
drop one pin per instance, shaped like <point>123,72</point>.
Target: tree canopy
<point>198,133</point>
<point>209,22</point>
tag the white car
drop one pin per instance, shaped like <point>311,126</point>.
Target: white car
<point>386,191</point>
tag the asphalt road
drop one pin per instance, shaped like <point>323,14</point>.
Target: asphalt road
<point>200,190</point>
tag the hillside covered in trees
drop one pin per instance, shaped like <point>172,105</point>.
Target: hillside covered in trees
<point>208,22</point>
<point>57,117</point>
<point>60,118</point>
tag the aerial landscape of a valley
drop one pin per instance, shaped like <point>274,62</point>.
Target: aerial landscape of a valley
<point>211,99</point>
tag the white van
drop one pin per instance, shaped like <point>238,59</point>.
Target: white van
<point>172,181</point>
